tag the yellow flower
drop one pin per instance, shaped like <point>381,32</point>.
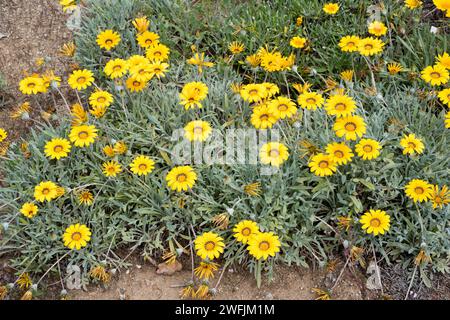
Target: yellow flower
<point>444,60</point>
<point>24,281</point>
<point>253,60</point>
<point>57,148</point>
<point>141,72</point>
<point>347,75</point>
<point>192,94</point>
<point>298,42</point>
<point>68,49</point>
<point>375,221</point>
<point>135,85</point>
<point>68,5</point>
<point>443,5</point>
<point>79,115</point>
<point>236,47</point>
<point>263,244</point>
<point>142,165</point>
<point>45,191</point>
<point>109,151</point>
<point>197,130</point>
<point>50,79</point>
<point>253,189</point>
<point>3,134</point>
<point>274,153</point>
<point>413,4</point>
<point>141,24</point>
<point>209,245</point>
<point>444,96</point>
<point>101,99</point>
<point>299,21</point>
<point>340,105</point>
<point>377,28</point>
<point>321,294</point>
<point>157,52</point>
<point>188,292</point>
<point>136,60</point>
<point>81,79</point>
<point>19,112</point>
<point>199,61</point>
<point>394,68</point>
<point>111,168</point>
<point>350,127</point>
<point>322,165</point>
<point>253,92</point>
<point>368,149</point>
<point>411,144</point>
<point>244,230</point>
<point>146,39</point>
<point>98,111</point>
<point>158,69</point>
<point>181,178</point>
<point>370,46</point>
<point>340,153</point>
<point>310,100</point>
<point>99,273</point>
<point>262,117</point>
<point>447,120</point>
<point>419,190</point>
<point>76,236</point>
<point>83,136</point>
<point>202,292</point>
<point>440,198</point>
<point>31,85</point>
<point>435,75</point>
<point>108,39</point>
<point>282,107</point>
<point>271,89</point>
<point>331,8</point>
<point>206,270</point>
<point>85,197</point>
<point>116,68</point>
<point>120,147</point>
<point>349,43</point>
<point>29,210</point>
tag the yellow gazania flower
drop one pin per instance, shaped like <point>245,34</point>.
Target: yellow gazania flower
<point>50,79</point>
<point>120,147</point>
<point>157,52</point>
<point>435,75</point>
<point>444,96</point>
<point>340,105</point>
<point>340,153</point>
<point>253,92</point>
<point>98,111</point>
<point>272,61</point>
<point>136,60</point>
<point>271,89</point>
<point>31,85</point>
<point>236,47</point>
<point>29,210</point>
<point>411,144</point>
<point>109,151</point>
<point>443,5</point>
<point>199,61</point>
<point>57,148</point>
<point>116,68</point>
<point>108,39</point>
<point>263,244</point>
<point>253,189</point>
<point>85,197</point>
<point>68,49</point>
<point>83,136</point>
<point>135,85</point>
<point>377,28</point>
<point>413,4</point>
<point>111,168</point>
<point>322,165</point>
<point>331,8</point>
<point>370,46</point>
<point>350,127</point>
<point>310,100</point>
<point>141,24</point>
<point>197,130</point>
<point>209,245</point>
<point>349,43</point>
<point>375,221</point>
<point>81,79</point>
<point>444,60</point>
<point>181,178</point>
<point>141,72</point>
<point>205,270</point>
<point>158,69</point>
<point>440,198</point>
<point>45,191</point>
<point>3,134</point>
<point>76,236</point>
<point>142,165</point>
<point>18,112</point>
<point>244,230</point>
<point>419,190</point>
<point>299,21</point>
<point>394,68</point>
<point>101,99</point>
<point>262,117</point>
<point>347,75</point>
<point>368,149</point>
<point>79,115</point>
<point>282,107</point>
<point>146,39</point>
<point>68,5</point>
<point>192,94</point>
<point>24,281</point>
<point>253,60</point>
<point>298,42</point>
<point>273,153</point>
